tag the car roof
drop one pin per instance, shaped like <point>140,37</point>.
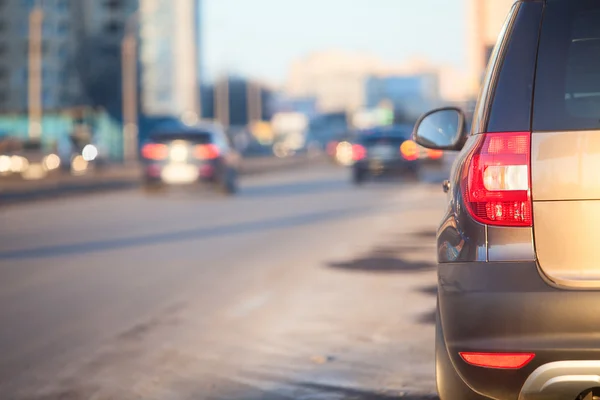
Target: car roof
<point>399,131</point>
<point>177,128</point>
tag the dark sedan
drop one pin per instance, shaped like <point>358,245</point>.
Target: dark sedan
<point>189,156</point>
<point>384,151</point>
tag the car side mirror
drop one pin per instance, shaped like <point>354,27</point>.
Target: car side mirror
<point>441,129</point>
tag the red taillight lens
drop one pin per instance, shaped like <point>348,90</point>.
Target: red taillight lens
<point>206,151</point>
<point>498,360</point>
<point>409,150</point>
<point>435,154</point>
<point>155,151</point>
<point>496,184</point>
<point>358,152</point>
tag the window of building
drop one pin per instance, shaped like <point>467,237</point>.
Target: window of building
<point>63,28</point>
<point>28,3</point>
<point>113,4</point>
<point>63,51</point>
<point>47,98</point>
<point>113,27</point>
<point>63,5</point>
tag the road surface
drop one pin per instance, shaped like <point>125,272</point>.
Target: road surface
<point>302,287</point>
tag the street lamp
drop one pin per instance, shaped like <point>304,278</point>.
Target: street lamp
<point>36,20</point>
<point>221,99</point>
<point>130,89</point>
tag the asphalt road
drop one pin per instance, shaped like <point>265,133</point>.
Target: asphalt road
<point>302,287</point>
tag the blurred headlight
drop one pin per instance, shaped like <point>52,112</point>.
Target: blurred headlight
<point>79,165</point>
<point>51,162</point>
<point>179,152</point>
<point>4,164</point>
<point>344,153</point>
<point>18,164</point>
<point>90,152</point>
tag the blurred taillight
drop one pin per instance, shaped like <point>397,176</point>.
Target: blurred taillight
<point>331,148</point>
<point>206,151</point>
<point>435,154</point>
<point>409,150</point>
<point>496,183</point>
<point>358,152</point>
<point>498,360</point>
<point>155,151</point>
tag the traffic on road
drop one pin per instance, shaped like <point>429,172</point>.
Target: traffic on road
<point>330,224</point>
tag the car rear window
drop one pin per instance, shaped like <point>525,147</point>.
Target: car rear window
<point>567,88</point>
<point>383,139</point>
<point>193,137</point>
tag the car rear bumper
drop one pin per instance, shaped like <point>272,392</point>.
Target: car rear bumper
<point>206,172</point>
<point>512,308</point>
<point>395,165</point>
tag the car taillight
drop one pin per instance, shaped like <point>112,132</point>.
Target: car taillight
<point>331,148</point>
<point>434,154</point>
<point>409,150</point>
<point>358,152</point>
<point>496,185</point>
<point>206,151</point>
<point>498,360</point>
<point>155,151</point>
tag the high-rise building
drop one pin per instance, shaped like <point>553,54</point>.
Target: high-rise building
<point>169,35</point>
<point>82,53</point>
<point>73,32</point>
<point>57,48</point>
<point>486,18</point>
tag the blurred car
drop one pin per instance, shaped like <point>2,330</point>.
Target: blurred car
<point>189,156</point>
<point>339,149</point>
<point>518,275</point>
<point>384,151</point>
<point>27,159</point>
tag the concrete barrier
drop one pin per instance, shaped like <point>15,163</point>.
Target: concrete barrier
<point>119,177</point>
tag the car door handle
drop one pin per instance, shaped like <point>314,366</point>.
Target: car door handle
<point>446,186</point>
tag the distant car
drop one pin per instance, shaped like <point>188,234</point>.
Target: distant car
<point>27,159</point>
<point>384,151</point>
<point>188,156</point>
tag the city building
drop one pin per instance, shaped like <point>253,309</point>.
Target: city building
<point>57,49</point>
<point>346,81</point>
<point>486,18</point>
<point>335,78</point>
<point>80,38</point>
<point>410,94</point>
<point>169,34</point>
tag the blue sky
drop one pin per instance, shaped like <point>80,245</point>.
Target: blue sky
<point>261,38</point>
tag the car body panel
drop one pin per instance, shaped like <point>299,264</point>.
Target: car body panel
<point>503,289</point>
<point>511,307</point>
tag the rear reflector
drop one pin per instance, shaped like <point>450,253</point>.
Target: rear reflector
<point>409,150</point>
<point>498,360</point>
<point>496,184</point>
<point>358,152</point>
